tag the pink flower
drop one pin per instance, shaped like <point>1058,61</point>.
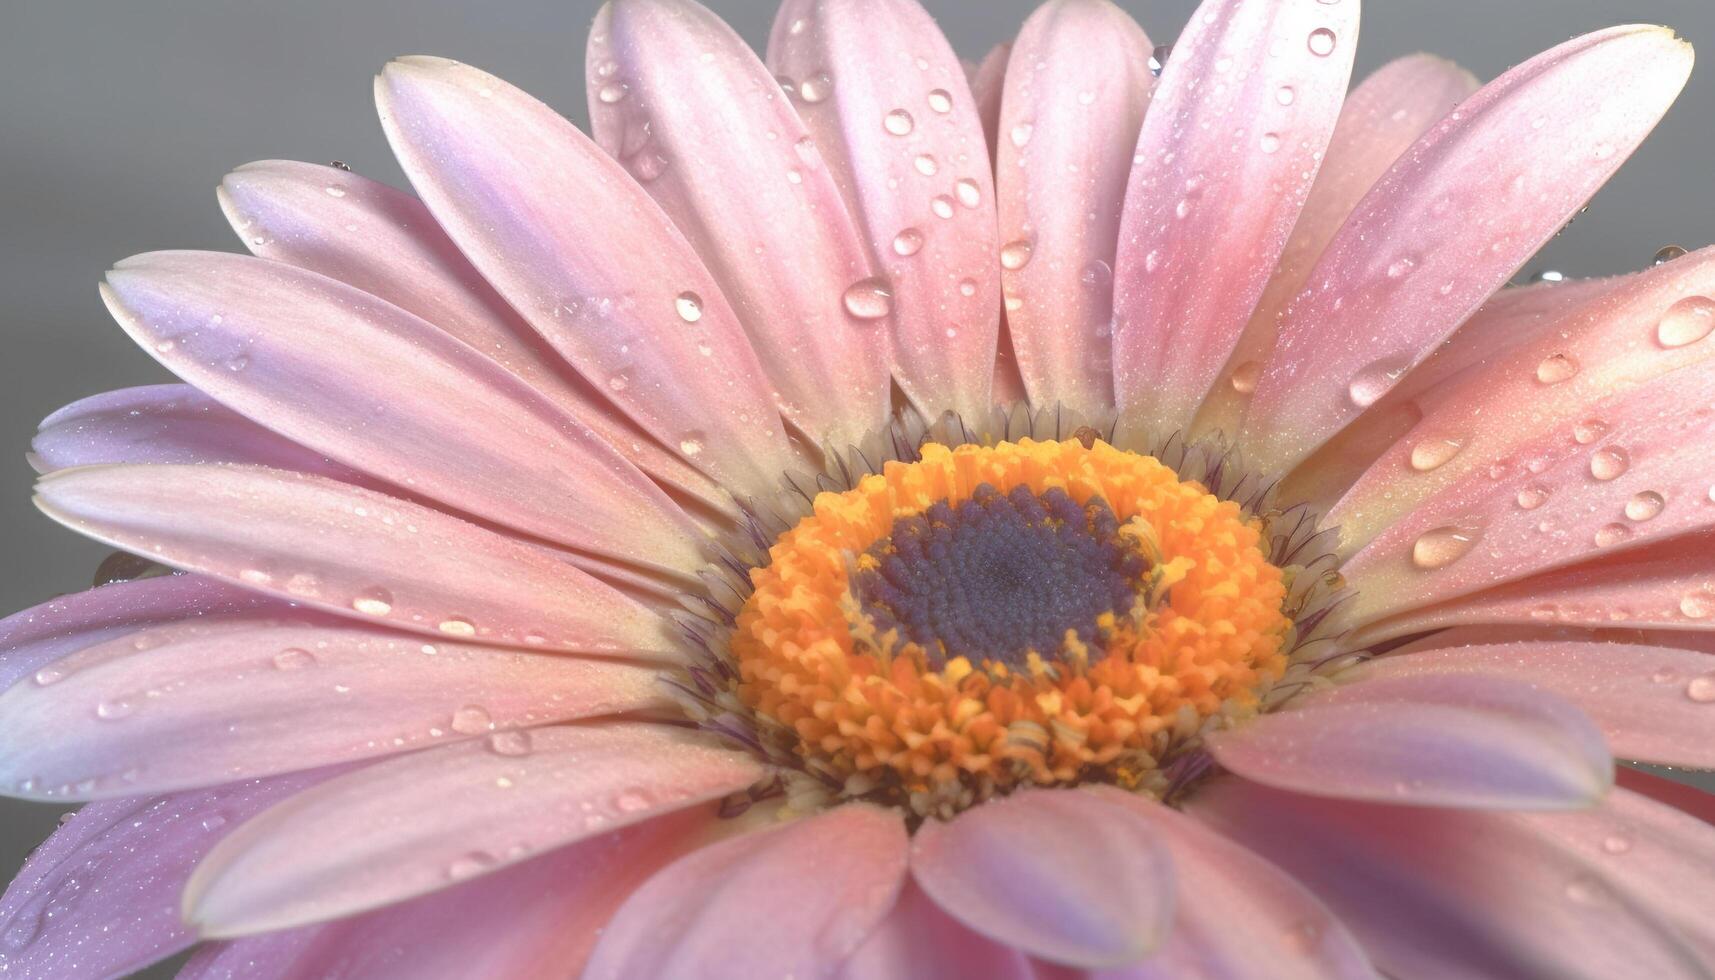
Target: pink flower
<point>1209,567</point>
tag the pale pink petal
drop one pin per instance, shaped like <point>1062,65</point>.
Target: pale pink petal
<point>1574,344</point>
<point>1664,857</point>
<point>418,822</point>
<point>1632,469</point>
<point>377,388</point>
<point>169,423</point>
<point>535,921</point>
<point>386,243</point>
<point>1652,703</point>
<point>36,637</point>
<point>589,261</point>
<point>1379,120</point>
<point>1233,140</point>
<point>1451,221</point>
<point>684,104</point>
<point>988,84</point>
<point>238,696</point>
<point>1461,739</point>
<point>1236,915</point>
<point>100,897</point>
<point>794,900</point>
<point>355,552</point>
<point>1076,86</point>
<point>1451,893</point>
<point>923,198</point>
<point>918,940</point>
<point>1062,875</point>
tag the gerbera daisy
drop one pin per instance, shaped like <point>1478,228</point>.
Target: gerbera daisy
<point>1096,510</point>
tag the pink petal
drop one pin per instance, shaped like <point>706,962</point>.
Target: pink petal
<point>386,243</point>
<point>534,921</point>
<point>988,84</point>
<point>692,113</point>
<point>36,637</point>
<point>1664,857</point>
<point>917,939</point>
<point>1379,120</point>
<point>167,424</point>
<point>377,388</point>
<point>1446,740</point>
<point>589,261</point>
<point>1451,893</point>
<point>1652,703</point>
<point>1632,470</point>
<point>1245,108</point>
<point>924,199</point>
<point>1076,87</point>
<point>351,551</point>
<point>239,696</point>
<point>1062,875</point>
<point>793,900</point>
<point>1451,221</point>
<point>418,822</point>
<point>101,896</point>
<point>1591,340</point>
<point>1237,915</point>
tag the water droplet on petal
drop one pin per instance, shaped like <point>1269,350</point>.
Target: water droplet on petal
<point>1284,95</point>
<point>1270,142</point>
<point>1612,534</point>
<point>1442,546</point>
<point>470,865</point>
<point>815,88</point>
<point>472,719</point>
<point>925,165</point>
<point>968,193</point>
<point>509,743</point>
<point>1530,498</point>
<point>1374,379</point>
<point>1015,254</point>
<point>1245,377</point>
<point>1158,59</point>
<point>1616,843</point>
<point>612,92</point>
<point>1609,463</point>
<point>1021,134</point>
<point>940,100</point>
<point>457,626</point>
<point>1588,431</point>
<point>967,287</point>
<point>1432,453</point>
<point>908,242</point>
<point>1645,505</point>
<point>689,305</point>
<point>1667,253</point>
<point>1686,322</point>
<point>1321,42</point>
<point>1701,689</point>
<point>942,205</point>
<point>691,445</point>
<point>294,658</point>
<point>115,709</point>
<point>1556,368</point>
<point>869,299</point>
<point>373,602</point>
<point>1697,605</point>
<point>898,122</point>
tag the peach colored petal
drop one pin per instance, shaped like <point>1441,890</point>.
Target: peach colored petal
<point>386,243</point>
<point>696,118</point>
<point>1439,892</point>
<point>1063,875</point>
<point>238,696</point>
<point>1225,160</point>
<point>378,389</point>
<point>419,822</point>
<point>1451,221</point>
<point>1076,88</point>
<point>1453,739</point>
<point>354,552</point>
<point>793,900</point>
<point>583,254</point>
<point>923,198</point>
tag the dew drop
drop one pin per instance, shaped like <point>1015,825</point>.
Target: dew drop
<point>470,865</point>
<point>967,287</point>
<point>115,709</point>
<point>1697,605</point>
<point>509,743</point>
<point>373,602</point>
<point>968,193</point>
<point>1158,59</point>
<point>816,88</point>
<point>908,242</point>
<point>940,100</point>
<point>942,205</point>
<point>1645,505</point>
<point>1284,95</point>
<point>1432,453</point>
<point>1530,498</point>
<point>49,675</point>
<point>689,305</point>
<point>691,446</point>
<point>457,626</point>
<point>1270,142</point>
<point>632,800</point>
<point>1555,368</point>
<point>1588,431</point>
<point>898,122</point>
<point>869,299</point>
<point>612,92</point>
<point>1612,534</point>
<point>1020,134</point>
<point>1667,253</point>
<point>1442,546</point>
<point>1701,689</point>
<point>1321,42</point>
<point>1664,675</point>
<point>1608,463</point>
<point>1245,377</point>
<point>1015,254</point>
<point>618,382</point>
<point>1686,322</point>
<point>294,658</point>
<point>1374,379</point>
<point>1616,843</point>
<point>925,165</point>
<point>472,719</point>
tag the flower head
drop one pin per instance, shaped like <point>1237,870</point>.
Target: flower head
<point>1103,510</point>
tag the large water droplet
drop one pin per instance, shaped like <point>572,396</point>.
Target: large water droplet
<point>908,242</point>
<point>1606,464</point>
<point>472,719</point>
<point>1432,453</point>
<point>869,299</point>
<point>114,709</point>
<point>1612,534</point>
<point>967,192</point>
<point>509,743</point>
<point>1645,505</point>
<point>1556,368</point>
<point>612,92</point>
<point>1697,605</point>
<point>1245,377</point>
<point>1285,95</point>
<point>1442,546</point>
<point>1686,322</point>
<point>691,445</point>
<point>689,305</point>
<point>1015,254</point>
<point>1321,42</point>
<point>373,602</point>
<point>1588,431</point>
<point>941,205</point>
<point>940,100</point>
<point>1374,379</point>
<point>470,865</point>
<point>1701,689</point>
<point>1269,142</point>
<point>925,165</point>
<point>815,88</point>
<point>457,626</point>
<point>1667,253</point>
<point>898,122</point>
<point>1530,498</point>
<point>1020,134</point>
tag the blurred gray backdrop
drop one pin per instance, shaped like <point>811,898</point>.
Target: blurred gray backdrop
<point>118,119</point>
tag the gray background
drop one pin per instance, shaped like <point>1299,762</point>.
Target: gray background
<point>118,119</point>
